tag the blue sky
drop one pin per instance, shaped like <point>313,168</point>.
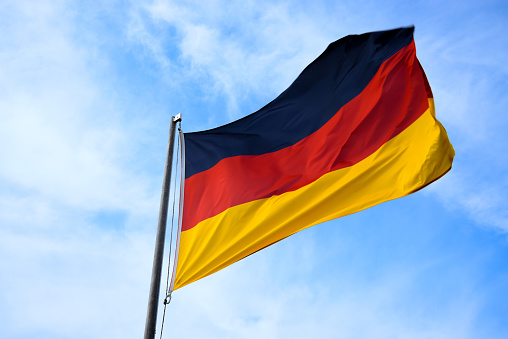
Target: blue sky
<point>86,94</point>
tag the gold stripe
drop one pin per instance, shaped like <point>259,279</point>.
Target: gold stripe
<point>416,157</point>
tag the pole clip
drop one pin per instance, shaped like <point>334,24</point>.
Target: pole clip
<point>177,117</point>
<point>167,300</point>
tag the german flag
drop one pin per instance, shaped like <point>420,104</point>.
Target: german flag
<point>355,129</point>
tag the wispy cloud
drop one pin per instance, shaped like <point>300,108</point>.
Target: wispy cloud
<point>483,201</point>
<point>468,78</point>
<point>61,274</point>
<point>239,52</point>
<point>61,135</point>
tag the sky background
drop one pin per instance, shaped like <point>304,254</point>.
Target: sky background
<point>87,89</point>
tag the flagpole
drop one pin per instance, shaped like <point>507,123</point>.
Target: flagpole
<point>151,315</point>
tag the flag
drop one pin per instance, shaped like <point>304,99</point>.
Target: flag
<point>356,128</point>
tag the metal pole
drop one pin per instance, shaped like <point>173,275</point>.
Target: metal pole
<point>151,315</point>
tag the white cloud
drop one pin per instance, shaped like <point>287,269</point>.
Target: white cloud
<point>61,134</point>
<point>468,79</point>
<point>270,45</point>
<point>64,277</point>
<point>484,202</point>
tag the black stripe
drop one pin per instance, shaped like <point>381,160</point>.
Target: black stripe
<point>328,83</point>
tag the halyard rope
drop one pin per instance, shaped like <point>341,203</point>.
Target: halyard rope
<point>167,299</point>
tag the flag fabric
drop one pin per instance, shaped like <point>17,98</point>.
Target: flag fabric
<point>356,128</point>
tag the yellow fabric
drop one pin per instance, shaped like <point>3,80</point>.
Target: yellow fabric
<point>406,163</point>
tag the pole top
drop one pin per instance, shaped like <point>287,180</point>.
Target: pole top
<point>177,117</point>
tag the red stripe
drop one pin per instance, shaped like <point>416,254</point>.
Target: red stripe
<point>393,100</point>
<point>427,85</point>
